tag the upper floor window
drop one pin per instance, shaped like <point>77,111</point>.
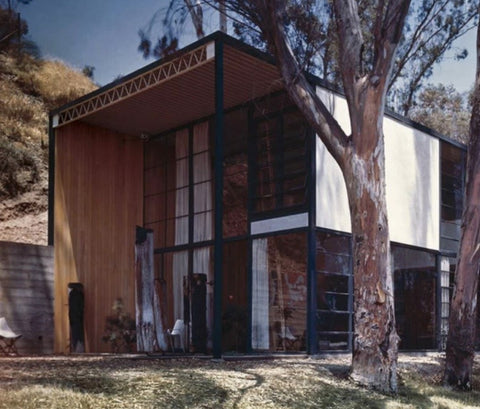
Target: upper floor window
<point>280,162</point>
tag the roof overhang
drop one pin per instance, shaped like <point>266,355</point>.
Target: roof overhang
<point>177,90</point>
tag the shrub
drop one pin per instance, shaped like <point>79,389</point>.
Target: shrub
<point>18,169</point>
<point>120,329</point>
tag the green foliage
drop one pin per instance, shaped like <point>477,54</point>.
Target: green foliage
<point>120,329</point>
<point>445,110</point>
<point>14,30</point>
<point>170,23</point>
<point>431,29</point>
<point>88,71</point>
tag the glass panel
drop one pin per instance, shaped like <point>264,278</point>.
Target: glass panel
<point>415,297</point>
<point>333,341</point>
<point>334,300</point>
<point>166,201</point>
<point>272,103</point>
<point>328,321</point>
<point>279,293</point>
<point>201,299</point>
<point>235,304</point>
<point>267,137</point>
<point>281,162</point>
<point>452,185</point>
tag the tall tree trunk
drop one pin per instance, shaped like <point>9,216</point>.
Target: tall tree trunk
<point>361,157</point>
<point>461,327</point>
<point>150,328</point>
<point>375,341</point>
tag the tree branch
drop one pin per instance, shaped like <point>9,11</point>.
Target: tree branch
<point>390,35</point>
<point>299,89</point>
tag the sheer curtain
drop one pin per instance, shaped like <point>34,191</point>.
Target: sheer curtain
<point>203,212</point>
<point>180,259</point>
<point>260,295</point>
<point>202,188</point>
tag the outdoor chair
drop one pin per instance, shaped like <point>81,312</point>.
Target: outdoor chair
<point>286,339</point>
<point>8,338</point>
<point>177,331</point>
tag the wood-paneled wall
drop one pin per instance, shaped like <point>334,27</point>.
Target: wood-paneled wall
<point>98,203</point>
<point>26,295</point>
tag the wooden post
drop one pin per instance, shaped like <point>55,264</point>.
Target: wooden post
<point>150,328</point>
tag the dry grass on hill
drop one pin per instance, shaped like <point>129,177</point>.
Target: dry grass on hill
<point>29,89</point>
<point>140,382</point>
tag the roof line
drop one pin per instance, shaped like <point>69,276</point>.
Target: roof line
<point>254,52</point>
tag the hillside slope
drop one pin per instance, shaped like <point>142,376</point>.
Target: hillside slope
<point>29,89</point>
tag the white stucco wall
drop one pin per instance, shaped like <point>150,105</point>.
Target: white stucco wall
<point>412,181</point>
<point>413,185</point>
<point>331,193</point>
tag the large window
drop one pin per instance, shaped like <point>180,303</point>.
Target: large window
<point>281,162</point>
<point>178,195</point>
<point>334,299</point>
<point>415,297</point>
<point>452,185</point>
<point>235,173</point>
<point>166,189</point>
<point>178,206</point>
<point>279,293</point>
<point>235,296</point>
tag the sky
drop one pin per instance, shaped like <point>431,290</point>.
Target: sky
<point>104,34</point>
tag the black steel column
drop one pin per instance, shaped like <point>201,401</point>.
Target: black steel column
<point>218,246</point>
<point>51,181</point>
<point>312,344</point>
<point>250,180</point>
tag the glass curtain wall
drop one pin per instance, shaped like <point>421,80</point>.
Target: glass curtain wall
<point>178,206</point>
<point>279,292</point>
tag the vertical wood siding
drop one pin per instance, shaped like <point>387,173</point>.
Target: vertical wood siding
<point>26,295</point>
<point>98,203</point>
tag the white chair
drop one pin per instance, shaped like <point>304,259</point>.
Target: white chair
<point>7,339</point>
<point>286,338</point>
<point>177,331</point>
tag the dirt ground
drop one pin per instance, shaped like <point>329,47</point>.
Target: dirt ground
<point>138,381</point>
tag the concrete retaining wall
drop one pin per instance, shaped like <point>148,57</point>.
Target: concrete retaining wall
<point>26,295</point>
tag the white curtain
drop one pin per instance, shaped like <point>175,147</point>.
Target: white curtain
<point>180,259</point>
<point>202,180</point>
<point>203,213</point>
<point>202,265</point>
<point>260,295</point>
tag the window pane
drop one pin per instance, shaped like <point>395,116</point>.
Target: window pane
<point>334,300</point>
<point>235,299</point>
<point>279,293</point>
<point>415,297</point>
<point>452,184</point>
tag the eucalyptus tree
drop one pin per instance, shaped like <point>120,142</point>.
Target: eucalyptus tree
<point>355,43</point>
<point>463,312</point>
<point>360,155</point>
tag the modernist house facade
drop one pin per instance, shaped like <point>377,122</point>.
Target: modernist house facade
<point>248,209</point>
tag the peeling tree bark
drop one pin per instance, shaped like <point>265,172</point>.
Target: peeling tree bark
<point>461,331</point>
<point>361,158</point>
<point>150,328</point>
<point>375,341</point>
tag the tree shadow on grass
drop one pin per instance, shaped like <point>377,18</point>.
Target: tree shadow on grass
<point>95,385</point>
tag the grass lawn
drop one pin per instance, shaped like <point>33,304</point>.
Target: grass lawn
<point>115,381</point>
